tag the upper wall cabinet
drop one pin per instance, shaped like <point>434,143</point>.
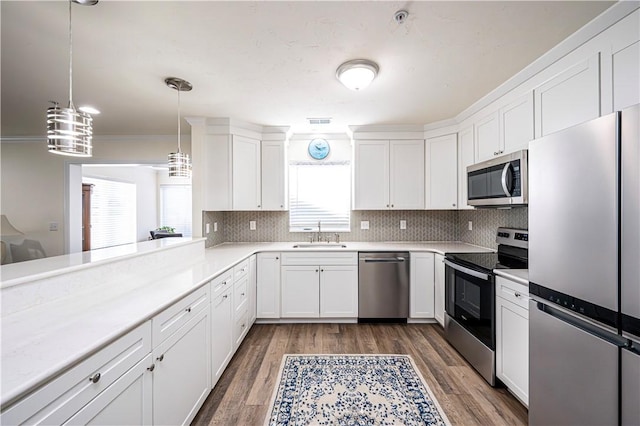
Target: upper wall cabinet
<point>626,76</point>
<point>388,174</point>
<point>442,172</point>
<point>242,173</point>
<point>507,130</point>
<point>571,97</point>
<point>465,158</point>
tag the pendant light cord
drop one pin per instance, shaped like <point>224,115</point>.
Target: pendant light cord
<point>179,88</point>
<point>70,61</point>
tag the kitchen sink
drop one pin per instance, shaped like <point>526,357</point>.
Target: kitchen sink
<point>320,245</point>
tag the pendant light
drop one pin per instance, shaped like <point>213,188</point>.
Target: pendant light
<point>70,131</point>
<point>179,162</point>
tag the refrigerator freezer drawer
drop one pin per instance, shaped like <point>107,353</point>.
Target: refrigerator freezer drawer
<point>573,374</point>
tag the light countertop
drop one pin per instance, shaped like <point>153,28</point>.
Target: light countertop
<point>45,340</point>
<point>518,275</point>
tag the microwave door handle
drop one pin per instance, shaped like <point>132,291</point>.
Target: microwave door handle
<point>505,176</point>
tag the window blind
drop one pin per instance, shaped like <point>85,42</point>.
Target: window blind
<point>113,212</point>
<point>319,192</point>
<point>175,208</point>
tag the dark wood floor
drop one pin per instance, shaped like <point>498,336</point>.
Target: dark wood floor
<point>244,390</point>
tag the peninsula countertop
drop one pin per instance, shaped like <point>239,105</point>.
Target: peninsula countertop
<point>43,341</point>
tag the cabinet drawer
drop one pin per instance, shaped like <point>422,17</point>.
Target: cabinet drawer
<point>240,293</point>
<point>175,316</point>
<point>240,270</point>
<point>513,292</point>
<point>240,328</point>
<point>220,283</point>
<point>57,401</point>
<point>320,258</point>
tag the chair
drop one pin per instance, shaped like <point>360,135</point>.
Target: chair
<point>28,250</point>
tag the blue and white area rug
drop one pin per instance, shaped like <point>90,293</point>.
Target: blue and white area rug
<point>352,390</point>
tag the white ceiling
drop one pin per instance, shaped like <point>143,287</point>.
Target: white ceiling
<point>270,63</point>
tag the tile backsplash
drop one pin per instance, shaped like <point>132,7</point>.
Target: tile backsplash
<point>422,225</point>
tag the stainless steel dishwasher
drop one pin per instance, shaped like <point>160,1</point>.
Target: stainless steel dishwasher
<point>383,286</point>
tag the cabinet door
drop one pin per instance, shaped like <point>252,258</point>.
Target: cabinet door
<point>253,279</point>
<point>421,284</point>
<point>626,83</point>
<point>182,374</point>
<point>465,158</point>
<point>221,333</point>
<point>273,176</point>
<point>268,285</point>
<point>406,174</point>
<point>339,291</point>
<point>438,294</point>
<point>300,292</point>
<point>128,401</point>
<point>512,347</point>
<point>246,173</point>
<point>442,157</point>
<point>371,175</point>
<point>572,97</point>
<point>516,124</point>
<point>216,175</point>
<point>487,135</point>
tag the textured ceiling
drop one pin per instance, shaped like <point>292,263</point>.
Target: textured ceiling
<point>270,63</point>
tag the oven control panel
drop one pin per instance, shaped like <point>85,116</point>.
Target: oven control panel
<point>513,237</point>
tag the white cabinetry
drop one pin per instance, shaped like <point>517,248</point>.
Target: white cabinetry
<point>246,180</point>
<point>438,294</point>
<point>442,172</point>
<point>182,361</point>
<point>571,97</point>
<point>116,377</point>
<point>241,302</point>
<point>465,158</point>
<point>507,130</point>
<point>253,279</point>
<point>268,285</point>
<point>388,174</point>
<point>320,285</point>
<point>222,332</point>
<point>273,168</point>
<point>421,285</point>
<point>626,76</point>
<point>512,337</point>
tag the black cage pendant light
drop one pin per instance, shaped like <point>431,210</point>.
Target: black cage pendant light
<point>70,131</point>
<point>179,162</point>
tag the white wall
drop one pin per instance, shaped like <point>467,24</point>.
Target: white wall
<point>32,181</point>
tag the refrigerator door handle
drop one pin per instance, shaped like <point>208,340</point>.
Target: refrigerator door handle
<point>614,339</point>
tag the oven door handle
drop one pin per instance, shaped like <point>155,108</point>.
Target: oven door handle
<point>467,270</point>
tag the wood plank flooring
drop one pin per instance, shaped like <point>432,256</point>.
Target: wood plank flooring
<point>242,394</point>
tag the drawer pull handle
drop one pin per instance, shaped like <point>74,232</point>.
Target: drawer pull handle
<point>153,367</point>
<point>188,309</point>
<point>224,283</point>
<point>225,296</point>
<point>241,294</point>
<point>518,294</point>
<point>95,378</point>
<point>160,358</point>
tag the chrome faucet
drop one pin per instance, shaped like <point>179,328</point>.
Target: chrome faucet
<point>319,231</point>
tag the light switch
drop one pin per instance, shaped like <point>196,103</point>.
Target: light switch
<point>403,224</point>
<point>53,226</point>
<point>470,226</point>
<point>252,225</point>
<point>364,224</point>
<point>215,226</point>
<point>207,228</point>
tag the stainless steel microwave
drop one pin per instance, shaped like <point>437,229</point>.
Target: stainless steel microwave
<point>501,181</point>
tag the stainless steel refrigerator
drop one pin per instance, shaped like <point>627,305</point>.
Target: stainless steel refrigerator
<point>584,272</point>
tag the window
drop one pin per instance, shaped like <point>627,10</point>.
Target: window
<point>319,192</point>
<point>175,208</point>
<point>113,212</point>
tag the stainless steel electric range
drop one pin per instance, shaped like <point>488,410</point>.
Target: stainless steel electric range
<point>470,319</point>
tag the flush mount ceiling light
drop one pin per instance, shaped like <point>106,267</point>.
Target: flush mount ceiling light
<point>357,74</point>
<point>179,162</point>
<point>70,131</point>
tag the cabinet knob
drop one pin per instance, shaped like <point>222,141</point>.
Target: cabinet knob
<point>225,296</point>
<point>153,367</point>
<point>454,204</point>
<point>387,205</point>
<point>321,270</point>
<point>518,294</point>
<point>316,270</point>
<point>281,206</point>
<point>391,205</point>
<point>277,258</point>
<point>188,309</point>
<point>243,325</point>
<point>495,152</point>
<point>241,294</point>
<point>258,205</point>
<point>95,378</point>
<point>160,358</point>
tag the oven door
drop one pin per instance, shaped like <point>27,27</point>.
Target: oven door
<point>469,299</point>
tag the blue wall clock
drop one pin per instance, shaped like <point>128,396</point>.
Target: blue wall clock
<point>319,149</point>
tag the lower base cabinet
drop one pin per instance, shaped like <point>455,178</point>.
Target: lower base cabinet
<point>222,334</point>
<point>438,306</point>
<point>421,285</point>
<point>339,291</point>
<point>512,337</point>
<point>300,292</point>
<point>182,376</point>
